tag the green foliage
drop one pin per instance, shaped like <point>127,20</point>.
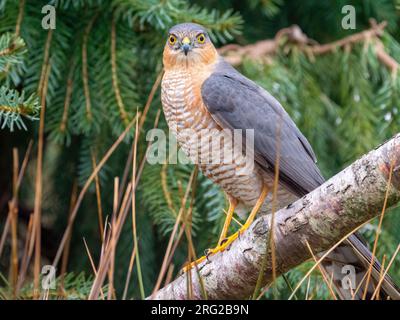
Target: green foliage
<point>103,59</point>
<point>312,288</point>
<point>12,50</point>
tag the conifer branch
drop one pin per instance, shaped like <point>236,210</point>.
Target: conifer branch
<point>121,106</point>
<point>294,35</point>
<point>85,73</point>
<point>20,17</point>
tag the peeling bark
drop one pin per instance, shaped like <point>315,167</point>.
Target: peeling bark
<point>321,218</point>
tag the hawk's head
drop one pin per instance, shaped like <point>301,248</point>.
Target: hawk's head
<point>188,44</point>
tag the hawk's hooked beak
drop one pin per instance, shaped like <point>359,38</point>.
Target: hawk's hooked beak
<point>186,47</point>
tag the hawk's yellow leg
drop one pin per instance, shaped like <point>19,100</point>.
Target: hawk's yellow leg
<point>222,246</point>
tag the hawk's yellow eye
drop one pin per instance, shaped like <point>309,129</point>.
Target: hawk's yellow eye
<point>172,39</point>
<point>201,38</point>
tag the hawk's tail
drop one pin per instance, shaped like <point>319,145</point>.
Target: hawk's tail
<point>348,265</point>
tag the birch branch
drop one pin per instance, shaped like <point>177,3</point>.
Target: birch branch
<point>321,218</point>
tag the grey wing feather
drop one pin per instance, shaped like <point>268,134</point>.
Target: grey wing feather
<point>236,102</point>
